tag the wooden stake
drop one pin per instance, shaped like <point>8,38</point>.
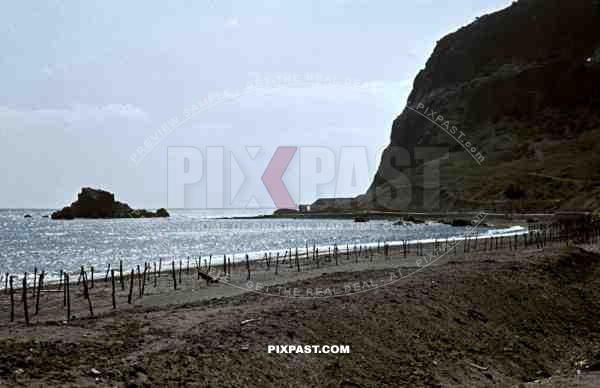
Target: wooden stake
<point>139,281</point>
<point>26,311</point>
<point>39,291</point>
<point>64,275</point>
<point>12,300</point>
<point>154,274</point>
<point>144,279</point>
<point>85,290</point>
<point>68,293</point>
<point>112,281</point>
<point>121,274</point>
<point>131,279</point>
<point>336,252</point>
<point>248,266</point>
<point>34,280</point>
<point>89,299</point>
<point>174,277</point>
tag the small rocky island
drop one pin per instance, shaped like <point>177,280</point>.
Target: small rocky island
<point>94,203</point>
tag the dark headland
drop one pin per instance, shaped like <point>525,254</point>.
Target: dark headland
<point>517,91</point>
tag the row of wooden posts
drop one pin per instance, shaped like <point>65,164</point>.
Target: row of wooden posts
<point>536,236</point>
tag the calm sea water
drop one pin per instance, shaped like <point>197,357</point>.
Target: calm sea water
<point>55,244</point>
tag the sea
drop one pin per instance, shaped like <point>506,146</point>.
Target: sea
<point>54,245</point>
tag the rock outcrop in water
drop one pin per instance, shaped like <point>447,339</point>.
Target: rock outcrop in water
<point>93,203</point>
<point>519,89</point>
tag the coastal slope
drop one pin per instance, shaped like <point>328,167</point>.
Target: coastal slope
<point>519,90</point>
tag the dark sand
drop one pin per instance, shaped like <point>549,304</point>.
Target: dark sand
<point>500,318</point>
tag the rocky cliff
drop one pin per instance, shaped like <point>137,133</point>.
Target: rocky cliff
<point>514,97</point>
<point>93,203</point>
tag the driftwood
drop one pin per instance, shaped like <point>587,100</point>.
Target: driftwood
<point>246,321</point>
<point>207,277</point>
<point>483,368</point>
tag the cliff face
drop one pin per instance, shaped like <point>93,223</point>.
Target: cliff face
<point>522,86</point>
<point>93,203</point>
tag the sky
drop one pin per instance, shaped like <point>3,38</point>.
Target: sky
<point>185,103</point>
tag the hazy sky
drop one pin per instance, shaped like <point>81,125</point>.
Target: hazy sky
<point>84,85</point>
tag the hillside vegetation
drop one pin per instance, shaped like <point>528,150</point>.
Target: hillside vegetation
<point>521,85</point>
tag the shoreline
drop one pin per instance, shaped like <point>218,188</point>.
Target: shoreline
<point>507,230</point>
<point>377,215</point>
<point>193,286</point>
<point>486,306</point>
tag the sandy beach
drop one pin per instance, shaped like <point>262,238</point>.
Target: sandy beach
<point>501,317</point>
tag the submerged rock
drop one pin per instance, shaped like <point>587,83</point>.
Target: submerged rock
<point>93,203</point>
<point>285,212</point>
<point>413,220</point>
<point>459,222</point>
